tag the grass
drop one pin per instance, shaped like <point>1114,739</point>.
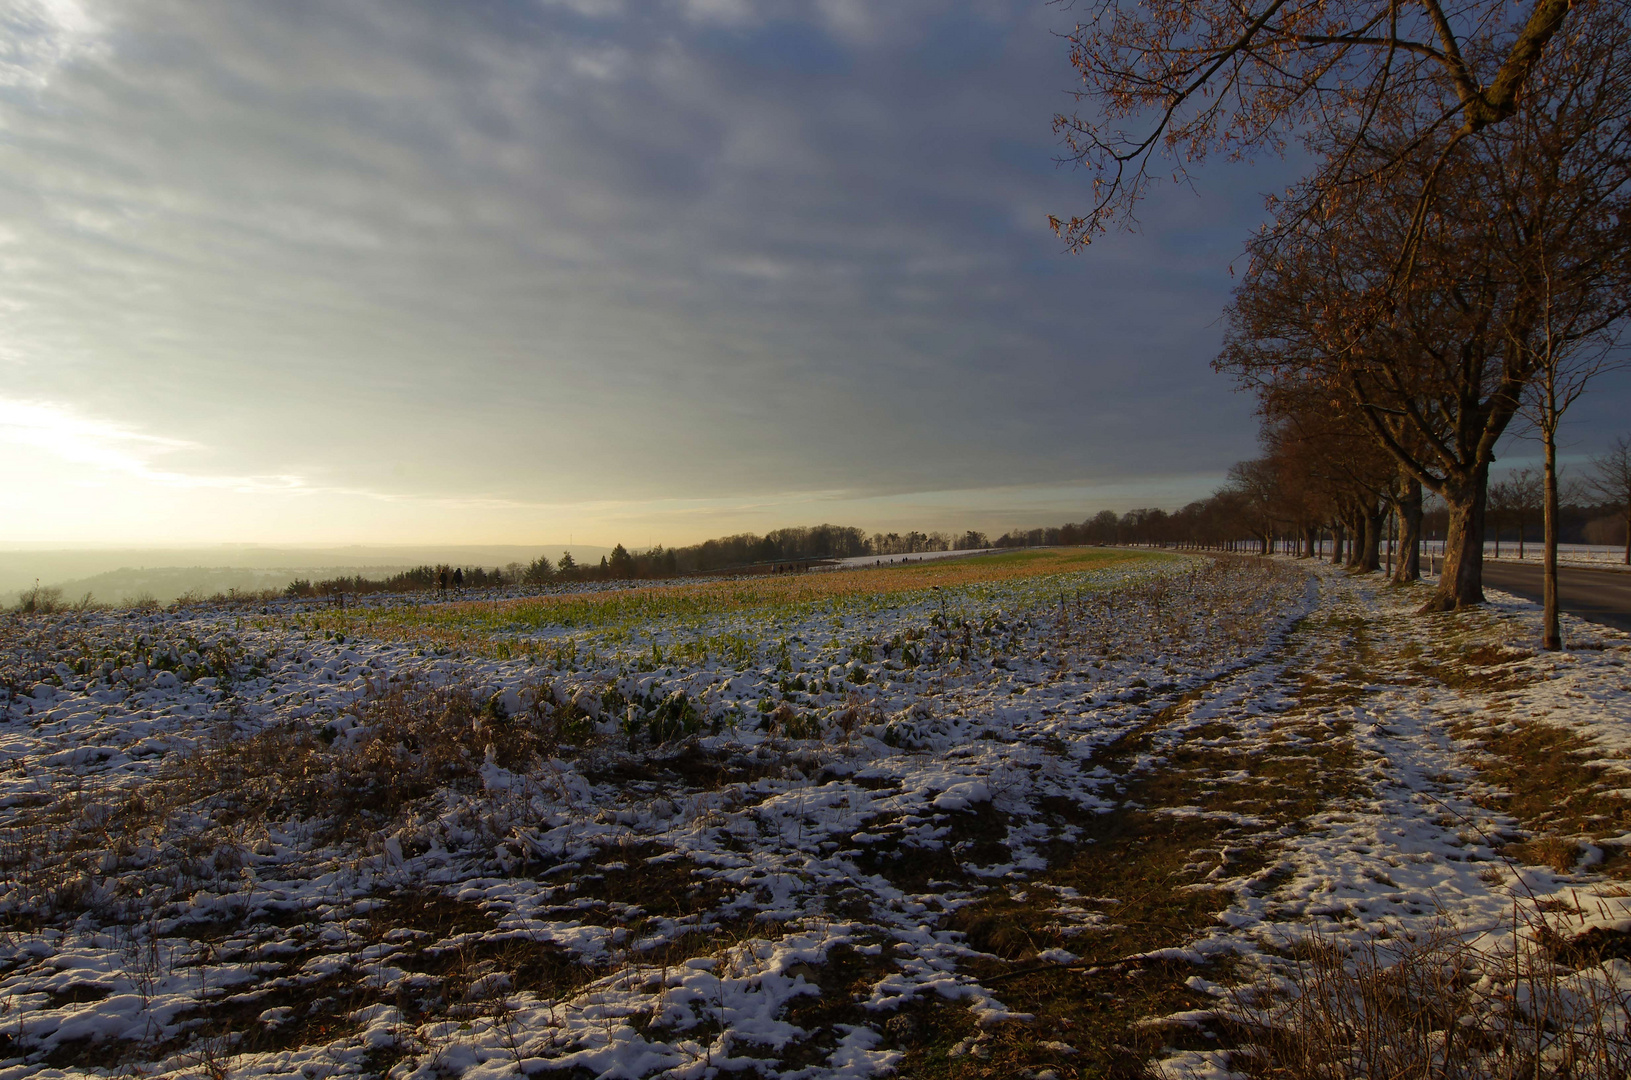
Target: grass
<point>410,743</point>
<point>1451,1002</point>
<point>1554,783</point>
<point>1545,777</point>
<point>473,625</point>
<point>1472,655</point>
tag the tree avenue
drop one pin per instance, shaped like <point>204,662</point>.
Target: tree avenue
<point>1463,232</point>
<point>1522,259</point>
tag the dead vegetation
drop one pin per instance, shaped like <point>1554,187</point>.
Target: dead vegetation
<point>1536,1002</point>
<point>1473,653</point>
<point>1130,883</point>
<point>193,821</point>
<point>1555,785</point>
<point>1444,1005</point>
<point>1126,892</point>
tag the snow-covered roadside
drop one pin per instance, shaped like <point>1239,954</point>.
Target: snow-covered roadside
<point>1606,565</point>
<point>1591,556</point>
<point>1419,852</point>
<point>742,898</point>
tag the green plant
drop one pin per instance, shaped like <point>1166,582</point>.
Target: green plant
<point>674,719</point>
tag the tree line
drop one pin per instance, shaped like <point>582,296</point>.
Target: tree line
<point>411,580</point>
<point>1457,257</point>
<point>1268,505</point>
<point>796,546</point>
<point>792,547</point>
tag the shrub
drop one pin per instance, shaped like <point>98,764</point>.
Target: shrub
<point>39,601</point>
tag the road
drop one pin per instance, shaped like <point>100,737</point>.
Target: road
<point>1603,596</point>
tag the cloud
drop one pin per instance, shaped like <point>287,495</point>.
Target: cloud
<point>107,447</point>
<point>589,9</point>
<point>80,440</point>
<point>39,36</point>
<point>730,12</point>
<point>569,252</point>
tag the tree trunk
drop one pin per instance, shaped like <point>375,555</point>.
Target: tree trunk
<point>1409,568</point>
<point>1553,635</point>
<point>1462,582</point>
<point>1356,541</point>
<point>1310,542</point>
<point>1392,528</point>
<point>1338,535</point>
<point>1369,559</point>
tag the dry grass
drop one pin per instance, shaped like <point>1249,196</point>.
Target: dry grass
<point>1144,874</point>
<point>402,746</point>
<point>1443,1006</point>
<point>415,750</point>
<point>1547,778</point>
<point>1473,653</point>
<point>406,742</point>
<point>1550,851</point>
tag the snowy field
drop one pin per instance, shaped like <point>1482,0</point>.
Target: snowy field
<point>922,556</point>
<point>1049,813</point>
<point>1599,556</point>
<point>1596,556</point>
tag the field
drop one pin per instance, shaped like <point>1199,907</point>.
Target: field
<point>1597,556</point>
<point>1049,813</point>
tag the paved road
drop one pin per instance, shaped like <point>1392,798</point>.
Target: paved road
<point>1603,596</point>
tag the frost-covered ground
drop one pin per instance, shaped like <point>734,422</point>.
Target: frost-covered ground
<point>1597,556</point>
<point>1010,816</point>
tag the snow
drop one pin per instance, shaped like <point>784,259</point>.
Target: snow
<point>1595,556</point>
<point>636,908</point>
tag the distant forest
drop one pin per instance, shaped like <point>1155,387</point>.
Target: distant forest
<point>799,545</point>
<point>1228,519</point>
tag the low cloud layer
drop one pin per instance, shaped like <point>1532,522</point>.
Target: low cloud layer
<point>664,267</point>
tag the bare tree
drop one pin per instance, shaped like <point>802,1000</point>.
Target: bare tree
<point>1199,76</point>
<point>1437,366</point>
<point>1498,509</point>
<point>1567,361</point>
<point>1610,477</point>
<point>1528,503</point>
<point>1518,499</point>
<point>1321,446</point>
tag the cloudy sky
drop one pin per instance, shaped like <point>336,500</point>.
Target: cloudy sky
<point>620,270</point>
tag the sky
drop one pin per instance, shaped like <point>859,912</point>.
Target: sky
<point>620,271</point>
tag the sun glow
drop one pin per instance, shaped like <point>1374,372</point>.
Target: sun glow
<point>107,447</point>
